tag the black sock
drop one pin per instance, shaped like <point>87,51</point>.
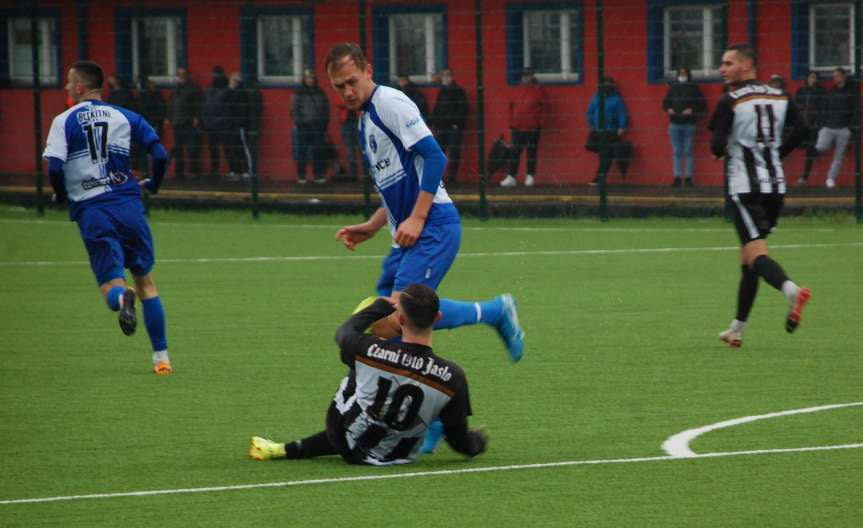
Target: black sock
<point>311,447</point>
<point>746,292</point>
<point>770,270</point>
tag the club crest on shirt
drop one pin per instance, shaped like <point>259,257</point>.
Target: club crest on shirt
<point>373,143</point>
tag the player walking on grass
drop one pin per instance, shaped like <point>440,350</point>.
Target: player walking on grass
<point>88,152</point>
<point>407,166</point>
<point>747,129</point>
<point>392,392</point>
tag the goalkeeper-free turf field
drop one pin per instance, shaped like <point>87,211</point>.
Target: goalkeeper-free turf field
<point>622,354</point>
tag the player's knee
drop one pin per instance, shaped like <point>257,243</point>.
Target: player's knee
<point>145,286</point>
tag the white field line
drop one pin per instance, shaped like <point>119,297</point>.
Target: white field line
<point>538,253</point>
<point>678,445</point>
<point>336,227</point>
<point>438,473</point>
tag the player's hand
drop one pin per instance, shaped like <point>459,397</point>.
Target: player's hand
<point>409,231</point>
<point>58,199</point>
<point>353,235</point>
<point>671,111</point>
<point>687,112</point>
<point>149,185</point>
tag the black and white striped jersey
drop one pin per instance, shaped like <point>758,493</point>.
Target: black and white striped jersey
<point>394,391</point>
<point>747,128</point>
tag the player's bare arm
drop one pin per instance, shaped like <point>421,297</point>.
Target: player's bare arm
<point>353,235</point>
<point>409,230</point>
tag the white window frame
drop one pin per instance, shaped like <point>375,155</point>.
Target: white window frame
<point>299,52</point>
<point>173,24</point>
<point>707,11</point>
<point>851,34</point>
<point>430,57</point>
<point>48,68</point>
<point>568,65</point>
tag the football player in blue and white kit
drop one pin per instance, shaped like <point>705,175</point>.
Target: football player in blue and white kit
<point>407,165</point>
<point>88,151</point>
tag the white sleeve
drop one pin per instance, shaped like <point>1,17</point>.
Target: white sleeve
<point>402,116</point>
<point>56,146</point>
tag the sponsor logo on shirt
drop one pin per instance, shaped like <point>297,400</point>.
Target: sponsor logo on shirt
<point>373,143</point>
<point>412,122</point>
<point>114,178</point>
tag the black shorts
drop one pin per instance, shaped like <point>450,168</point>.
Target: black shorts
<point>336,435</point>
<point>755,215</point>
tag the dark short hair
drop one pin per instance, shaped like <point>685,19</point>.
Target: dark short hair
<point>420,305</point>
<point>346,50</point>
<point>745,50</point>
<point>90,74</point>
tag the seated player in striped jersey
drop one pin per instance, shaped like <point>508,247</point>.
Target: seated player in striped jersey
<point>392,392</point>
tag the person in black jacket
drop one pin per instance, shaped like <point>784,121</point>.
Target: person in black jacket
<point>237,110</point>
<point>183,114</point>
<point>414,94</point>
<point>835,118</point>
<point>448,121</point>
<point>215,120</point>
<point>310,110</point>
<point>683,103</point>
<point>152,107</point>
<point>810,100</point>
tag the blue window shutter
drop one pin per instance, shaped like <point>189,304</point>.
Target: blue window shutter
<point>799,39</point>
<point>514,45</point>
<point>381,46</point>
<point>123,39</point>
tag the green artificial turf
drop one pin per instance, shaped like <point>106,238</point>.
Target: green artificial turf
<point>621,321</point>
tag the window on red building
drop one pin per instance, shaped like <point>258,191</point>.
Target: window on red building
<point>409,41</point>
<point>150,42</point>
<point>831,36</point>
<point>545,38</point>
<point>277,44</point>
<point>694,38</point>
<point>283,44</point>
<point>157,47</point>
<point>17,35</point>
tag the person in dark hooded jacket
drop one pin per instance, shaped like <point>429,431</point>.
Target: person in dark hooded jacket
<point>683,103</point>
<point>215,120</point>
<point>310,110</point>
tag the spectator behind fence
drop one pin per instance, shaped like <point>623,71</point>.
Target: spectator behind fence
<point>350,139</point>
<point>237,110</point>
<point>119,94</point>
<point>448,121</point>
<point>413,92</point>
<point>527,114</point>
<point>253,131</point>
<point>183,114</point>
<point>310,110</point>
<point>835,118</point>
<point>810,101</point>
<point>683,103</point>
<point>608,141</point>
<point>215,119</point>
<point>151,106</point>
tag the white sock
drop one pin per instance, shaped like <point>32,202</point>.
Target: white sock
<point>738,326</point>
<point>790,290</point>
<point>478,312</point>
<point>160,355</point>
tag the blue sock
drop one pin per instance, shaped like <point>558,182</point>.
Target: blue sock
<point>433,436</point>
<point>491,311</point>
<point>154,319</point>
<point>113,297</point>
<point>455,314</point>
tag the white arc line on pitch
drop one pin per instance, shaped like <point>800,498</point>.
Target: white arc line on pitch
<point>444,472</point>
<point>543,253</point>
<point>678,445</point>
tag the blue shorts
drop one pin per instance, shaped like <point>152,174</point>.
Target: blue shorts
<point>426,262</point>
<point>117,236</point>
